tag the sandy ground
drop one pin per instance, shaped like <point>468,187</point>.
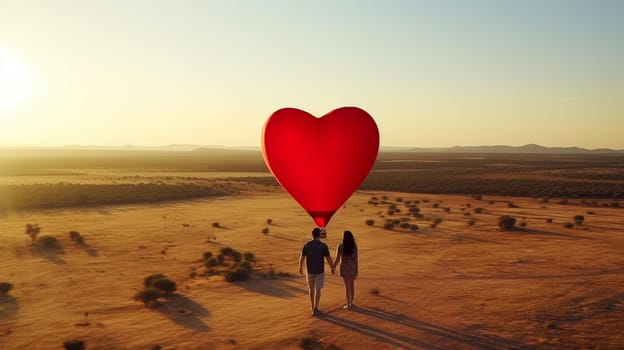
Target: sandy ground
<point>451,287</point>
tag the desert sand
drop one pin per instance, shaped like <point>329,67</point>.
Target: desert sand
<point>454,286</point>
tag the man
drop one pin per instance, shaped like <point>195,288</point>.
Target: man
<point>313,252</point>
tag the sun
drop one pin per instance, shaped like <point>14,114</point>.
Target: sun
<point>15,80</point>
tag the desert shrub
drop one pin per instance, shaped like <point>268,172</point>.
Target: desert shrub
<point>549,220</point>
<point>405,225</point>
<point>370,222</point>
<point>568,225</point>
<point>384,197</point>
<point>413,227</point>
<point>433,225</point>
<point>147,281</point>
<point>227,251</point>
<point>468,205</point>
<point>390,212</point>
<point>244,265</point>
<point>32,230</point>
<point>249,256</point>
<point>49,243</point>
<point>236,274</point>
<point>220,259</point>
<point>269,221</point>
<point>578,219</point>
<point>472,222</point>
<point>397,210</point>
<point>392,206</point>
<point>437,221</point>
<point>5,287</point>
<point>506,222</point>
<point>76,237</point>
<point>265,230</point>
<point>216,225</point>
<point>374,291</point>
<point>236,256</point>
<point>388,226</point>
<point>147,295</point>
<point>447,209</point>
<point>523,224</point>
<point>436,205</point>
<point>211,262</point>
<point>74,344</point>
<point>163,284</point>
<point>207,255</point>
<point>591,213</point>
<point>310,343</point>
<point>395,222</point>
<point>478,210</point>
<point>414,209</point>
<point>511,205</point>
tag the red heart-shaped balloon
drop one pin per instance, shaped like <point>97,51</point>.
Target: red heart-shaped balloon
<point>320,161</point>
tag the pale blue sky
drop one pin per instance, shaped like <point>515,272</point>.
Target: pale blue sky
<point>431,73</point>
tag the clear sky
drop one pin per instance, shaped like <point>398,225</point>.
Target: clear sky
<point>431,73</point>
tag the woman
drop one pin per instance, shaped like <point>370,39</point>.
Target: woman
<point>348,260</point>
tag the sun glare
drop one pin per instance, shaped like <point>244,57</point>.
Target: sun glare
<point>15,80</point>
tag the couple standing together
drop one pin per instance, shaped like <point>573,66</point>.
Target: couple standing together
<point>315,251</point>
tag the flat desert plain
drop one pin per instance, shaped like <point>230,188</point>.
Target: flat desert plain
<point>453,286</point>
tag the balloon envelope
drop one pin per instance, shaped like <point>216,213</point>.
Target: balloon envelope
<point>320,161</point>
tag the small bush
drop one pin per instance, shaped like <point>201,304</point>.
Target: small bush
<point>249,256</point>
<point>511,205</point>
<point>211,262</point>
<point>388,226</point>
<point>390,212</point>
<point>207,255</point>
<point>5,287</point>
<point>374,291</point>
<point>591,213</point>
<point>265,230</point>
<point>220,259</point>
<point>216,225</point>
<point>472,222</point>
<point>549,220</point>
<point>147,281</point>
<point>32,230</point>
<point>76,237</point>
<point>370,222</point>
<point>578,219</point>
<point>523,224</point>
<point>244,265</point>
<point>506,222</point>
<point>75,344</point>
<point>405,225</point>
<point>568,225</point>
<point>478,210</point>
<point>437,221</point>
<point>413,227</point>
<point>49,243</point>
<point>236,274</point>
<point>163,284</point>
<point>436,205</point>
<point>310,343</point>
<point>269,221</point>
<point>148,296</point>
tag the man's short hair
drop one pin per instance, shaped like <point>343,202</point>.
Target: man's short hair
<point>316,233</point>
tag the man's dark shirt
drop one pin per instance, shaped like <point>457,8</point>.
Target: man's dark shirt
<point>315,251</point>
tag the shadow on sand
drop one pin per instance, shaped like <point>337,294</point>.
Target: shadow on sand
<point>184,311</point>
<point>450,338</point>
<point>557,234</point>
<point>88,249</point>
<point>50,254</point>
<point>277,287</point>
<point>9,305</point>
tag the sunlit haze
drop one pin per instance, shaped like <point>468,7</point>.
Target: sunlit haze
<point>431,73</point>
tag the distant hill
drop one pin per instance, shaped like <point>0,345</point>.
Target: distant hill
<point>502,149</point>
<point>530,148</point>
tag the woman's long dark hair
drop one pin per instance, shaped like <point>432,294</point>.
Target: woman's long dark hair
<point>348,243</point>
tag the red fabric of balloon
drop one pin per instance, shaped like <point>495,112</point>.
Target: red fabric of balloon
<point>320,161</point>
